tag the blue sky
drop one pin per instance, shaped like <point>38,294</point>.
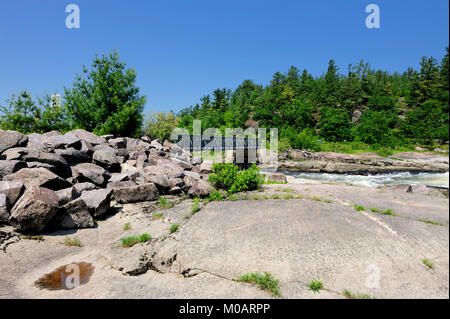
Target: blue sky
<point>185,49</point>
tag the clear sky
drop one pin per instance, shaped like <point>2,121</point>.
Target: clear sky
<point>184,49</point>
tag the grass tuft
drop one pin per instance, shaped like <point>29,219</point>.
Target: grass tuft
<point>315,286</point>
<point>157,216</point>
<point>133,240</point>
<point>428,221</point>
<point>264,281</point>
<point>351,295</point>
<point>174,228</point>
<point>359,208</point>
<point>164,203</point>
<point>127,226</point>
<point>428,263</point>
<point>72,242</point>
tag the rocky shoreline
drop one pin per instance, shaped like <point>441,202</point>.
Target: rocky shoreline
<point>362,164</point>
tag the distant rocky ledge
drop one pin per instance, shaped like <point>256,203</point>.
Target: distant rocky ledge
<point>365,163</point>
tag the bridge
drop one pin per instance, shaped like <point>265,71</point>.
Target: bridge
<point>204,143</point>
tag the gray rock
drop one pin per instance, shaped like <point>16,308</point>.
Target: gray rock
<point>40,177</point>
<point>51,168</point>
<point>406,188</point>
<point>119,177</point>
<point>98,201</point>
<point>133,194</point>
<point>34,209</point>
<point>194,175</point>
<point>421,189</point>
<point>60,164</point>
<point>119,142</point>
<point>89,137</point>
<point>200,188</point>
<point>14,154</point>
<point>175,190</point>
<point>161,181</point>
<point>10,167</point>
<point>189,180</point>
<point>196,160</point>
<point>4,212</point>
<point>74,215</point>
<point>36,141</point>
<point>279,177</point>
<point>170,167</point>
<point>136,145</point>
<point>82,187</point>
<point>107,159</point>
<point>174,182</point>
<point>66,195</point>
<point>52,133</point>
<point>72,155</point>
<point>156,144</point>
<point>87,148</point>
<point>121,184</point>
<point>62,141</point>
<point>10,139</point>
<point>87,172</point>
<point>12,190</point>
<point>206,167</point>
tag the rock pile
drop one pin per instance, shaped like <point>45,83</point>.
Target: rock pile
<point>56,180</point>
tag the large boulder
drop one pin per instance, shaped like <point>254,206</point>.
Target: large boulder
<point>60,164</point>
<point>83,187</point>
<point>89,137</point>
<point>4,212</point>
<point>72,155</point>
<point>74,215</point>
<point>88,172</point>
<point>170,167</point>
<point>66,195</point>
<point>12,190</point>
<point>206,167</point>
<point>34,210</point>
<point>10,167</point>
<point>41,177</point>
<point>133,144</point>
<point>61,141</point>
<point>107,159</point>
<point>15,153</point>
<point>98,201</point>
<point>139,193</point>
<point>161,181</point>
<point>10,139</point>
<point>36,141</point>
<point>119,142</point>
<point>200,188</point>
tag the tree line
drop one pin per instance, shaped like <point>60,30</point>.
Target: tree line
<point>361,106</point>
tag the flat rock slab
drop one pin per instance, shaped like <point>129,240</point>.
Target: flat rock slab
<point>297,240</point>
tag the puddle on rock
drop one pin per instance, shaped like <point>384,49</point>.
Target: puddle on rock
<point>66,277</point>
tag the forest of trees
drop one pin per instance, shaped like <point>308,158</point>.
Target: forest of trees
<point>360,106</point>
<point>363,105</point>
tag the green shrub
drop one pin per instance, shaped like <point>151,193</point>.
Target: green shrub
<point>228,177</point>
<point>216,195</point>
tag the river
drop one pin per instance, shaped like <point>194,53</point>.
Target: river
<point>373,181</point>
